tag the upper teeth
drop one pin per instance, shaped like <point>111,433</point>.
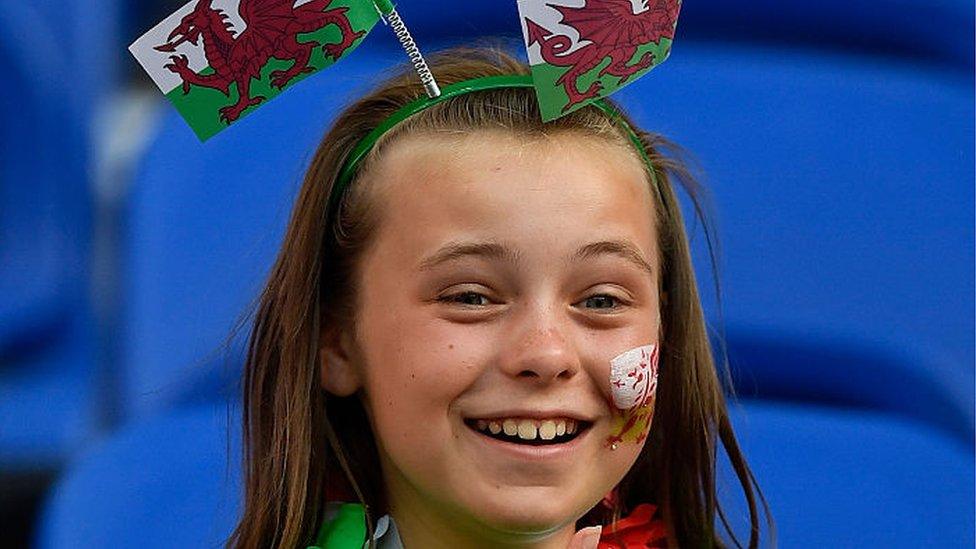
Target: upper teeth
<point>529,429</point>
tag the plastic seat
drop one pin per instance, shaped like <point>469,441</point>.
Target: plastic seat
<point>844,199</point>
<point>50,404</point>
<point>796,368</point>
<point>48,381</point>
<point>844,478</point>
<point>44,230</point>
<point>168,482</point>
<point>938,32</point>
<point>88,32</point>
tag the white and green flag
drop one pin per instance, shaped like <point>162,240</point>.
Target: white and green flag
<point>216,60</point>
<point>581,50</point>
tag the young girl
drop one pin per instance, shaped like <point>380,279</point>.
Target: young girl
<point>487,333</point>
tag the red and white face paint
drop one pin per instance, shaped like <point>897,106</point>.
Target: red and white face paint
<point>633,385</point>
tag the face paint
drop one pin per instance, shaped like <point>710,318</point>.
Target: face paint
<point>633,384</point>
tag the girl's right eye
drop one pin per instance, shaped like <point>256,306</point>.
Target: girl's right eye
<point>464,298</point>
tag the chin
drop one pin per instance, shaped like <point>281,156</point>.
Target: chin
<point>529,511</point>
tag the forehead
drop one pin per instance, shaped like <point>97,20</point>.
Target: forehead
<point>549,193</point>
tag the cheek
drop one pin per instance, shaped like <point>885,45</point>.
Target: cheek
<point>414,372</point>
<point>414,375</point>
<point>633,387</point>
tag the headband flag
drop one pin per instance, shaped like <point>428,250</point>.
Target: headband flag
<point>215,59</point>
<point>581,50</point>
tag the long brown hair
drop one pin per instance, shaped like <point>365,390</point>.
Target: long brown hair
<point>303,446</point>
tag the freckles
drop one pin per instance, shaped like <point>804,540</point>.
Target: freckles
<point>633,385</point>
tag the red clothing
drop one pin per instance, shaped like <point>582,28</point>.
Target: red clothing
<point>637,530</point>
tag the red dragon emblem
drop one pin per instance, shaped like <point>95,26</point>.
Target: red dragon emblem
<point>272,29</point>
<point>608,28</point>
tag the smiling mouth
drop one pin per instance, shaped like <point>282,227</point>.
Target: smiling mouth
<point>529,432</point>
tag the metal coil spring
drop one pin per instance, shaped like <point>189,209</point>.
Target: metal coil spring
<point>413,52</point>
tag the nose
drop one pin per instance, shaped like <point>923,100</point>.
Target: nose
<point>542,353</point>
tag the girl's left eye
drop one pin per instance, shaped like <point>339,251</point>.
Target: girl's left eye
<point>464,298</point>
<point>603,299</point>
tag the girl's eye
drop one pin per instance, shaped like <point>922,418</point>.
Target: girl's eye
<point>603,301</point>
<point>465,298</point>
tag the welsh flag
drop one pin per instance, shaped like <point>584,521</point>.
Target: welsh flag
<point>216,60</point>
<point>581,50</point>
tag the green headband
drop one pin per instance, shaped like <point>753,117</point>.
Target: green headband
<point>366,144</point>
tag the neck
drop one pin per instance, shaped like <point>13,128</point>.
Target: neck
<point>422,525</point>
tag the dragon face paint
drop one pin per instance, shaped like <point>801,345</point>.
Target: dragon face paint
<point>633,384</point>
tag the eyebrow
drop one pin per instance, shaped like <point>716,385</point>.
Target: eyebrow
<point>493,250</point>
<point>457,250</point>
<point>619,248</point>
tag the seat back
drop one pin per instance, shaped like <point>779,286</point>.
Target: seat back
<point>841,478</point>
<point>45,196</point>
<point>170,482</point>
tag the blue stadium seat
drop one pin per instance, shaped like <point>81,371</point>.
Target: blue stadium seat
<point>938,32</point>
<point>48,384</point>
<point>169,482</point>
<point>844,199</point>
<point>833,478</point>
<point>50,402</point>
<point>202,227</point>
<point>794,367</point>
<point>46,204</point>
<point>842,478</point>
<point>88,36</point>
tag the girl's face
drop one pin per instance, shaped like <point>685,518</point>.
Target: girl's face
<point>505,276</point>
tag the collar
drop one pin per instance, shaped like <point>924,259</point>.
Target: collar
<point>344,527</point>
<point>638,530</point>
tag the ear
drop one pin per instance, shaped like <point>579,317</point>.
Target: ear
<point>338,372</point>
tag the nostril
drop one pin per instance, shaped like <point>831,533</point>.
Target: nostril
<point>532,374</point>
